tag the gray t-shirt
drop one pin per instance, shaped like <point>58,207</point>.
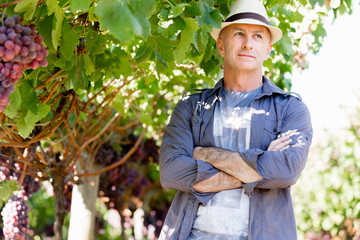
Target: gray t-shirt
<point>226,216</point>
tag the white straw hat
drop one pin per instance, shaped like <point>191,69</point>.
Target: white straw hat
<point>248,12</point>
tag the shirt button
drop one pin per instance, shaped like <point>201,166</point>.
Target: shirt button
<point>275,130</point>
<point>196,121</point>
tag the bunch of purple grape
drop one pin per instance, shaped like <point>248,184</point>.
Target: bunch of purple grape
<point>21,48</point>
<point>16,220</point>
<point>15,212</point>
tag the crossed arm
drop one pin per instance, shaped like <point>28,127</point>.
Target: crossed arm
<point>233,169</point>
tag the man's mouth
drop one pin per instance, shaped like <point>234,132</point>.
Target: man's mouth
<point>245,55</point>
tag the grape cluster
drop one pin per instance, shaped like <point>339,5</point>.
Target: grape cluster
<point>4,172</point>
<point>15,212</point>
<point>21,48</point>
<point>16,220</point>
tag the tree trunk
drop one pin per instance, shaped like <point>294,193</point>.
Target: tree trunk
<point>58,185</point>
<point>122,217</point>
<point>83,202</point>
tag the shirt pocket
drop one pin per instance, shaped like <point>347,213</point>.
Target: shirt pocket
<point>272,129</point>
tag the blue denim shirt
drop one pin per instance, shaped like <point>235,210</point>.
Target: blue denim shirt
<point>273,112</point>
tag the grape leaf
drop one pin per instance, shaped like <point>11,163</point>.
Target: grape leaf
<point>187,37</point>
<point>53,8</point>
<point>177,10</point>
<point>143,53</point>
<point>320,31</point>
<point>144,8</point>
<point>12,110</point>
<point>69,40</point>
<point>27,7</point>
<point>95,43</point>
<point>116,16</point>
<point>79,5</point>
<point>77,75</point>
<point>285,45</point>
<point>212,16</point>
<point>31,110</point>
<point>44,25</point>
<point>29,99</point>
<point>6,190</point>
<point>27,120</point>
<point>90,68</point>
<point>164,57</point>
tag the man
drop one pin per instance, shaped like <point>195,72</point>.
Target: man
<point>233,151</point>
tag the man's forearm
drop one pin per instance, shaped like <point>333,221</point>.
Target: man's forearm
<point>228,162</point>
<point>219,182</point>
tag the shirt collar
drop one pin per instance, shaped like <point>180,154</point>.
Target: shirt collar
<point>268,89</point>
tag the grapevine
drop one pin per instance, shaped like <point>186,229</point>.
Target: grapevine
<point>21,48</point>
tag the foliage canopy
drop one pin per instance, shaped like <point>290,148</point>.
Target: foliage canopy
<point>156,49</point>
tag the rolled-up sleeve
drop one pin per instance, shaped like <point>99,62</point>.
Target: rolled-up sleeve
<point>178,170</point>
<point>281,169</point>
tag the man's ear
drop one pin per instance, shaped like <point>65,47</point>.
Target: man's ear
<point>220,45</point>
<point>268,51</point>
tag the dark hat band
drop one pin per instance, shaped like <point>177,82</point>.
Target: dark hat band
<point>250,15</point>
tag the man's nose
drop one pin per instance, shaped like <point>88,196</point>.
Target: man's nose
<point>247,43</point>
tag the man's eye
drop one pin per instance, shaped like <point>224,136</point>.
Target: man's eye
<point>239,34</point>
<point>258,36</point>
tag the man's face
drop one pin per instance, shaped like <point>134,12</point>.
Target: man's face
<point>244,47</point>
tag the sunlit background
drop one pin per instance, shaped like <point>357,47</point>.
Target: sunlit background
<point>330,85</point>
<point>326,196</point>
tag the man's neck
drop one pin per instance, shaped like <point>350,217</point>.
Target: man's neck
<point>242,81</point>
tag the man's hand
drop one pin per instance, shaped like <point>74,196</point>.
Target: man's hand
<point>219,182</point>
<point>280,144</point>
<point>232,163</point>
<point>199,153</point>
<point>227,161</point>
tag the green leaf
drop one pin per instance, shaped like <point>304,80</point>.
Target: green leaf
<point>177,10</point>
<point>27,7</point>
<point>187,37</point>
<point>320,31</point>
<point>209,66</point>
<point>124,66</point>
<point>160,60</point>
<point>144,8</point>
<point>31,110</point>
<point>90,68</point>
<point>69,40</point>
<point>91,14</point>
<point>211,16</point>
<point>201,40</point>
<point>79,5</point>
<point>164,57</point>
<point>27,120</point>
<point>54,8</point>
<point>296,17</point>
<point>44,25</point>
<point>349,3</point>
<point>116,16</point>
<point>66,65</point>
<point>143,53</point>
<point>313,2</point>
<point>95,43</point>
<point>29,99</point>
<point>145,25</point>
<point>6,190</point>
<point>118,103</point>
<point>285,45</point>
<point>15,100</point>
<point>77,75</point>
<point>172,29</point>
